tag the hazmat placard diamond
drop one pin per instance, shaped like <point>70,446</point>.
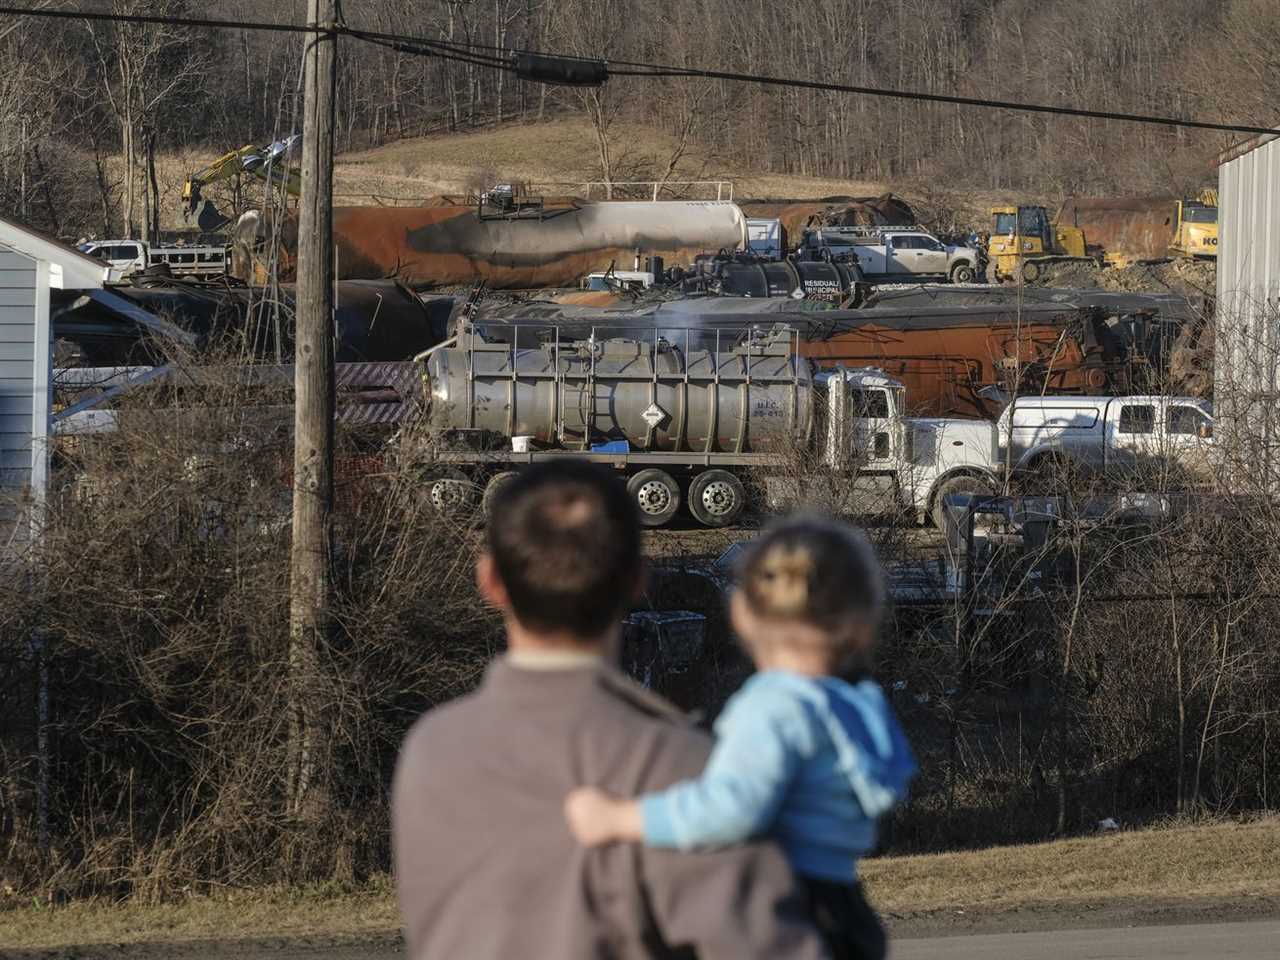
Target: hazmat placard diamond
<point>653,415</point>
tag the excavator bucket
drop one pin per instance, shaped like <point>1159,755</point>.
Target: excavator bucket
<point>208,218</point>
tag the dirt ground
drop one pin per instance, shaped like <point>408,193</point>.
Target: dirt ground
<point>1185,277</point>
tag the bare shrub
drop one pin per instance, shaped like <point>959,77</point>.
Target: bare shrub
<point>1095,661</point>
<point>162,598</point>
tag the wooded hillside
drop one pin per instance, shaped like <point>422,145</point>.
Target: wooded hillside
<point>74,94</point>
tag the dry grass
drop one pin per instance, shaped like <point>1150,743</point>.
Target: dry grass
<point>1226,861</point>
<point>561,151</point>
<point>236,916</point>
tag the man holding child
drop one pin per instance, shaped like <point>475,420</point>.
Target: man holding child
<point>562,811</point>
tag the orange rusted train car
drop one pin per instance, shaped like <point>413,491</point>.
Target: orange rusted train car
<point>964,366</point>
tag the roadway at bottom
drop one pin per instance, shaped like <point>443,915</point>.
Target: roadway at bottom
<point>1248,940</point>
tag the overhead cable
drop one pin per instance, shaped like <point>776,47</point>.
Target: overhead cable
<point>648,70</point>
<point>97,16</point>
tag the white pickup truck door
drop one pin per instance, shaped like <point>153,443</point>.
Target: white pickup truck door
<point>1132,439</point>
<point>1189,438</point>
<point>932,256</point>
<point>900,255</point>
<point>916,255</point>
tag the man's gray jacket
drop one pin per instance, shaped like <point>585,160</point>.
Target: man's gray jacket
<point>486,868</point>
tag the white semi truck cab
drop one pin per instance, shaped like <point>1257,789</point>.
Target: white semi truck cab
<point>916,462</point>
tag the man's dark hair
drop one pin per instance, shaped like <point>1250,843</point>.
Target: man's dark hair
<point>566,542</point>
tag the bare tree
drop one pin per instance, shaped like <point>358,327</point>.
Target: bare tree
<point>143,67</point>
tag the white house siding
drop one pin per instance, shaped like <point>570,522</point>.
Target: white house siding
<point>21,300</point>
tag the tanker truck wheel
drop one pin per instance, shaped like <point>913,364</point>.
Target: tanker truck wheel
<point>716,498</point>
<point>656,495</point>
<point>451,493</point>
<point>493,490</point>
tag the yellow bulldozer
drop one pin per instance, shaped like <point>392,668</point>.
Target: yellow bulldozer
<point>1111,232</point>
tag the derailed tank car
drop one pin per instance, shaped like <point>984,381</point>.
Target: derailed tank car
<point>530,246</point>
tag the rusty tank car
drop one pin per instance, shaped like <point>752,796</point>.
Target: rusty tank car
<point>963,354</point>
<point>530,245</point>
<point>1122,229</point>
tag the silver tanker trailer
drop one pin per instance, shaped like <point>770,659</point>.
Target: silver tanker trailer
<point>684,416</point>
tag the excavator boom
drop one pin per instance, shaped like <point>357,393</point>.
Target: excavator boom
<point>270,163</point>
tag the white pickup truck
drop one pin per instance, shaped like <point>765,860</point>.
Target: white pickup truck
<point>1096,435</point>
<point>130,256</point>
<point>918,462</point>
<point>891,255</point>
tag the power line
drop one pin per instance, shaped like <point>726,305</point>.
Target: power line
<point>637,69</point>
<point>499,58</point>
<point>162,21</point>
<point>647,70</point>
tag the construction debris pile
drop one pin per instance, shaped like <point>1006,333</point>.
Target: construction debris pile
<point>1189,278</point>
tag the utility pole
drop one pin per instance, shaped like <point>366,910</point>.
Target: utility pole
<point>309,580</point>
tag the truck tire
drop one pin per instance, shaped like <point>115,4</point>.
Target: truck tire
<point>957,486</point>
<point>656,495</point>
<point>716,498</point>
<point>451,493</point>
<point>962,273</point>
<point>493,489</point>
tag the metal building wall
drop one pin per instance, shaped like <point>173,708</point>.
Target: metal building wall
<point>1248,274</point>
<point>1247,319</point>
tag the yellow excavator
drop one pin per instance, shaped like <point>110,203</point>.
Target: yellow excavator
<point>1195,226</point>
<point>272,163</point>
<point>1114,232</point>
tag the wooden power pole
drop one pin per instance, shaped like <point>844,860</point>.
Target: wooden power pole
<point>309,580</point>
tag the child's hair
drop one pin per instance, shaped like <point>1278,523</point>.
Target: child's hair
<point>816,570</point>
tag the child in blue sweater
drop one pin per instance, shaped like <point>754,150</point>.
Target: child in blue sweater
<point>800,754</point>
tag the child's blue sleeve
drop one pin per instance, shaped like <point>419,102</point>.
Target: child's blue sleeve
<point>759,745</point>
